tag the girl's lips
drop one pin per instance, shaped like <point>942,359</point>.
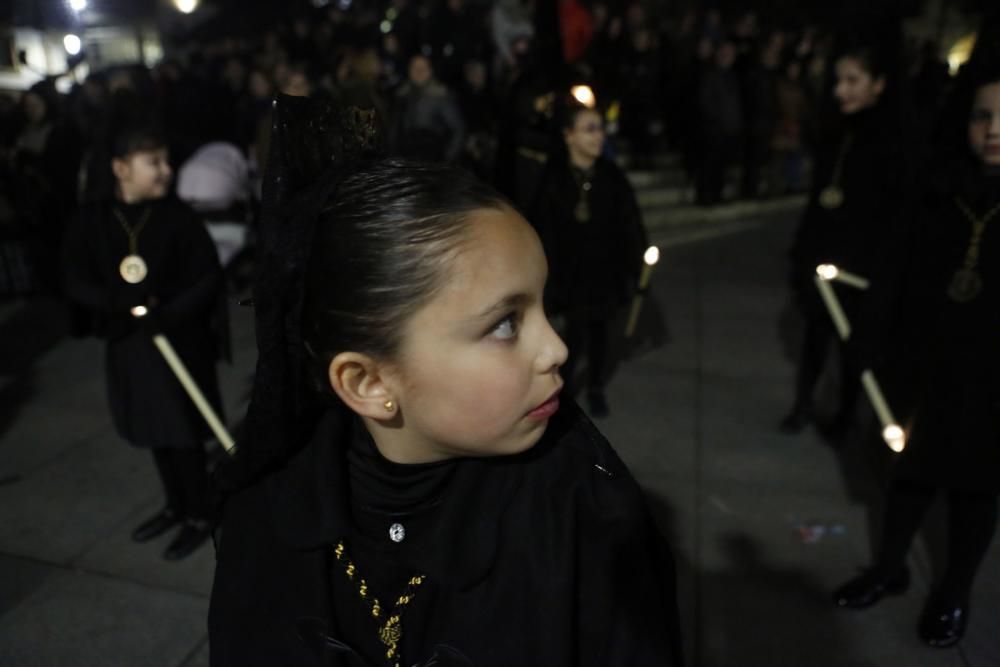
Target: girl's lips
<point>546,409</point>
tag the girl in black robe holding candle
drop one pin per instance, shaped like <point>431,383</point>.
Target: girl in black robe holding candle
<point>139,248</point>
<point>411,490</point>
<point>591,228</point>
<point>858,186</point>
<point>945,370</point>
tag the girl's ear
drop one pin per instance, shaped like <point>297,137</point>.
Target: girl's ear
<point>119,168</point>
<point>362,384</point>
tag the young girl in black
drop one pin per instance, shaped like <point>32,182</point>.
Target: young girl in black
<point>431,501</point>
<point>137,247</point>
<point>852,216</point>
<point>945,369</point>
<point>591,228</point>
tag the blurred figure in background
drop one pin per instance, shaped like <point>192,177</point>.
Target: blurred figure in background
<point>426,122</point>
<point>854,207</point>
<point>720,106</point>
<point>945,368</point>
<point>591,228</point>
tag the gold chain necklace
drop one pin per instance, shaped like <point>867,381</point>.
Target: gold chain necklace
<point>966,284</point>
<point>832,196</point>
<point>133,269</point>
<point>391,631</point>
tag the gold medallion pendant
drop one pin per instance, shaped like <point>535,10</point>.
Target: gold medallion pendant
<point>965,285</point>
<point>831,197</point>
<point>133,269</point>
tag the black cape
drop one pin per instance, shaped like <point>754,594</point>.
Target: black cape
<point>944,361</point>
<point>545,558</point>
<point>149,407</point>
<point>594,266</point>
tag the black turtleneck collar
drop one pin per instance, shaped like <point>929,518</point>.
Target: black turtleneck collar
<point>380,486</point>
<point>462,500</point>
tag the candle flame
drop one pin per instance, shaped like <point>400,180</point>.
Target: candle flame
<point>140,311</point>
<point>652,255</point>
<point>827,271</point>
<point>584,95</point>
<point>894,437</point>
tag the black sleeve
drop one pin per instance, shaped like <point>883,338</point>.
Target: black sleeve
<point>628,612</point>
<point>201,271</point>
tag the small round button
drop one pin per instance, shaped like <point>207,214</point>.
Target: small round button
<point>397,532</point>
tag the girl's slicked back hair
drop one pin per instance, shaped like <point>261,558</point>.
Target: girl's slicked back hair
<point>379,252</point>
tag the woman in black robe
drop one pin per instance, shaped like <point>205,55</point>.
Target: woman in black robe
<point>179,286</point>
<point>944,368</point>
<point>591,228</point>
<point>854,208</point>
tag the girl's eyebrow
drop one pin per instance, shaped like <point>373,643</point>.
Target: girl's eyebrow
<point>506,303</point>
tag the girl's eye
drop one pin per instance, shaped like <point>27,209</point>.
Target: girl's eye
<point>505,329</point>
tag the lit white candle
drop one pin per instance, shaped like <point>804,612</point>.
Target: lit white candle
<point>830,272</point>
<point>833,307</point>
<point>190,386</point>
<point>584,95</point>
<point>892,433</point>
<point>649,259</point>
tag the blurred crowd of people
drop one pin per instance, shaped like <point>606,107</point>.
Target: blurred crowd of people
<point>468,81</point>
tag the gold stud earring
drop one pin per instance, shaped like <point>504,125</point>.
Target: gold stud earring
<point>389,406</point>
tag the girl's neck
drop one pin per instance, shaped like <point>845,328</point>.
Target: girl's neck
<point>581,161</point>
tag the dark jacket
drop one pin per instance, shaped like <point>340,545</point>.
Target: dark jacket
<point>426,123</point>
<point>594,266</point>
<point>544,558</point>
<point>944,357</point>
<point>874,181</point>
<point>149,407</point>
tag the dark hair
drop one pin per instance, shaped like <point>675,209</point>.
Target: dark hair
<point>378,250</point>
<point>873,60</point>
<point>132,138</point>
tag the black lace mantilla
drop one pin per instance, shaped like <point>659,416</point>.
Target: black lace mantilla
<point>314,144</point>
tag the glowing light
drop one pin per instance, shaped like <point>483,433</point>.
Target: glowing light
<point>72,44</point>
<point>77,5</point>
<point>385,27</point>
<point>652,255</point>
<point>186,6</point>
<point>827,271</point>
<point>960,52</point>
<point>894,437</point>
<point>140,311</point>
<point>584,95</point>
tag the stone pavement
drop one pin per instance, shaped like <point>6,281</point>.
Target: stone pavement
<point>763,525</point>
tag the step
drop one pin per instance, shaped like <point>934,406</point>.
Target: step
<point>661,218</point>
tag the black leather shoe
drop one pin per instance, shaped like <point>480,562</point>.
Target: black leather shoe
<point>796,420</point>
<point>868,588</point>
<point>942,624</point>
<point>598,405</point>
<point>156,525</point>
<point>192,536</point>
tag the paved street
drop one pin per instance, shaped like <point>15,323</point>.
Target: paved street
<point>763,525</point>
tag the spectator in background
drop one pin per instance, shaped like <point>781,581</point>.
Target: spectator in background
<point>760,80</point>
<point>577,27</point>
<point>479,110</point>
<point>40,171</point>
<point>426,121</point>
<point>788,156</point>
<point>295,82</point>
<point>721,112</point>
